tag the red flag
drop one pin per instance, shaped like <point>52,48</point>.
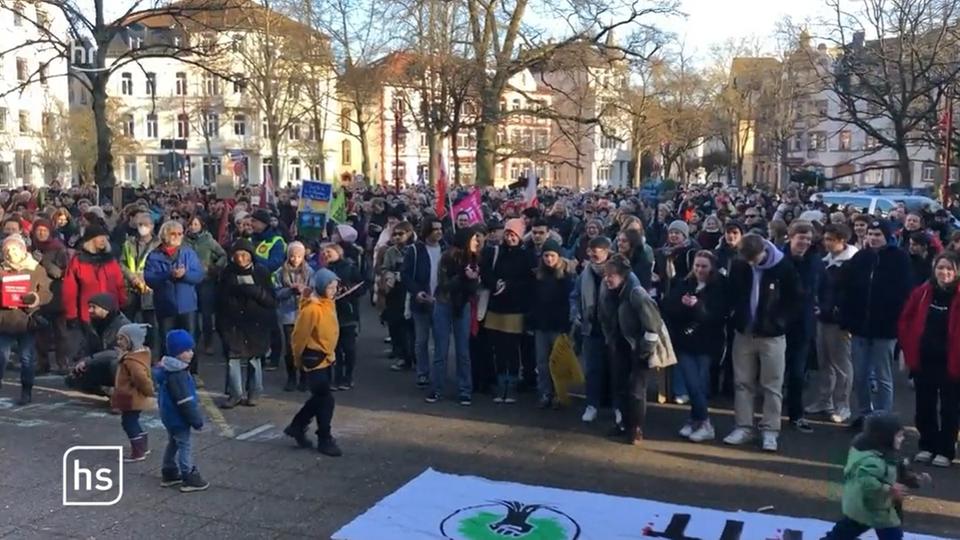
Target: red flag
<point>441,204</point>
<point>471,206</point>
<point>267,194</point>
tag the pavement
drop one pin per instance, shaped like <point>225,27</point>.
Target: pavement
<point>263,487</point>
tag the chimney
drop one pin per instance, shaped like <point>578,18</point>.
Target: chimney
<point>858,39</point>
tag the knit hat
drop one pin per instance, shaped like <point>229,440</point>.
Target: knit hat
<point>733,224</point>
<point>681,227</point>
<point>494,225</point>
<point>92,231</point>
<point>322,278</point>
<point>516,226</point>
<point>347,233</point>
<point>242,244</point>
<point>14,239</point>
<point>551,245</point>
<point>105,300</point>
<point>296,246</point>
<point>136,333</point>
<point>178,342</point>
<point>883,226</point>
<point>262,215</point>
<point>879,430</point>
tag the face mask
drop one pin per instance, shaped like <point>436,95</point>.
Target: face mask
<point>191,234</point>
<point>144,230</point>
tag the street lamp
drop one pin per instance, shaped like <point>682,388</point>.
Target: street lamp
<point>398,131</point>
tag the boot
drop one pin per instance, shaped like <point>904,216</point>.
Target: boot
<point>635,436</point>
<point>291,383</point>
<point>138,448</point>
<point>230,403</point>
<point>193,482</point>
<point>328,447</point>
<point>170,477</point>
<point>299,435</point>
<point>26,395</point>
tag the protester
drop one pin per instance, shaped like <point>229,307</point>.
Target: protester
<point>291,283</point>
<point>213,259</point>
<point>133,261</point>
<point>393,292</point>
<point>53,257</point>
<point>550,314</point>
<point>133,387</point>
<point>91,271</point>
<point>585,315</point>
<point>352,288</point>
<point>421,265</point>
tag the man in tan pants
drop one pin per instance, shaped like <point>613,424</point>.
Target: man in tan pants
<point>765,295</point>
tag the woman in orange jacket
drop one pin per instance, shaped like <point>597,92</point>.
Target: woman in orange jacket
<point>313,343</point>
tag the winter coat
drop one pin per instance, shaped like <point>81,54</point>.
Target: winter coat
<point>19,320</point>
<point>515,266</point>
<point>830,291</point>
<point>642,262</point>
<point>270,250</point>
<point>415,274</point>
<point>868,476</point>
<point>54,261</point>
<point>316,329</point>
<point>809,269</point>
<point>673,263</point>
<point>912,324</point>
<point>585,302</point>
<point>89,274</point>
<point>176,395</point>
<point>876,284</point>
<point>698,329</point>
<point>102,335</point>
<point>779,295</point>
<point>453,286</point>
<point>726,254</point>
<point>133,261</point>
<point>133,387</point>
<point>211,254</point>
<point>173,296</point>
<point>348,307</point>
<point>288,298</point>
<point>246,312</point>
<point>391,270</point>
<point>630,315</point>
<point>550,302</point>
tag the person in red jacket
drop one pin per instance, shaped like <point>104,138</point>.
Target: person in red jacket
<point>929,333</point>
<point>93,270</point>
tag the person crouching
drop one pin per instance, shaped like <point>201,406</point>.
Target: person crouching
<point>179,412</point>
<point>133,387</point>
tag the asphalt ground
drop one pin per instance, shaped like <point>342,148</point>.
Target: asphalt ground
<point>264,487</point>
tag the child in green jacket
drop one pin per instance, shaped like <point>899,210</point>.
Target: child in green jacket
<point>875,483</point>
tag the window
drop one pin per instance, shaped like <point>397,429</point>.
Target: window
<point>797,142</point>
<point>128,125</point>
<point>874,176</point>
<point>609,143</point>
<point>239,83</point>
<point>42,74</point>
<point>3,119</point>
<point>463,139</point>
<point>21,69</point>
<point>211,124</point>
<point>503,105</point>
<point>423,139</point>
<point>24,122</point>
<point>929,170</point>
<point>211,84</point>
<point>4,173</point>
<point>265,129</point>
<point>212,167</point>
<point>345,153</point>
<point>23,163</point>
<point>152,131</point>
<point>822,106</point>
<point>151,84</point>
<point>845,140</point>
<point>542,139</point>
<point>294,132</point>
<point>18,9</point>
<point>239,124</point>
<point>818,141</point>
<point>181,84</point>
<point>603,175</point>
<point>183,126</point>
<point>870,143</point>
<point>515,105</point>
<point>345,120</point>
<point>311,133</point>
<point>126,84</point>
<point>43,20</point>
<point>130,169</point>
<point>48,125</point>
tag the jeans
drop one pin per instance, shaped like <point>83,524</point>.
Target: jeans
<point>696,371</point>
<point>402,339</point>
<point>596,369</point>
<point>177,454</point>
<point>755,356</point>
<point>346,356</point>
<point>678,383</point>
<point>798,350</point>
<point>544,340</point>
<point>446,321</point>
<point>872,357</point>
<point>181,321</point>
<point>130,421</point>
<point>237,384</point>
<point>848,529</point>
<point>528,359</point>
<point>320,405</point>
<point>26,346</point>
<point>938,407</point>
<point>422,327</point>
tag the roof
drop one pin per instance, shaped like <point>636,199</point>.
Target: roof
<point>214,15</point>
<point>579,54</point>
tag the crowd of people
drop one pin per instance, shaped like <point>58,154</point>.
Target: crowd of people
<point>708,291</point>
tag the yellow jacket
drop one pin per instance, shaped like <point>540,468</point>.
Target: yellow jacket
<point>316,328</point>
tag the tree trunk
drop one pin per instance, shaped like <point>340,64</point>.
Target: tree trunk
<point>905,167</point>
<point>103,170</point>
<point>454,157</point>
<point>434,148</point>
<point>487,138</point>
<point>274,159</point>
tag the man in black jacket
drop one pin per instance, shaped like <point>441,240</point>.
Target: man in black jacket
<point>764,293</point>
<point>876,283</point>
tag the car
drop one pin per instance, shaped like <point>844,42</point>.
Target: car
<point>880,203</point>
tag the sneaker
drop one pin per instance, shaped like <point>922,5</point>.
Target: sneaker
<point>818,408</point>
<point>399,366</point>
<point>193,482</point>
<point>923,457</point>
<point>509,399</point>
<point>387,340</point>
<point>230,403</point>
<point>498,399</point>
<point>465,400</point>
<point>840,416</point>
<point>422,381</point>
<point>329,447</point>
<point>703,433</point>
<point>432,397</point>
<point>298,435</point>
<point>686,430</point>
<point>682,400</point>
<point>739,437</point>
<point>940,461</point>
<point>170,478</point>
<point>589,414</point>
<point>271,367</point>
<point>802,426</point>
<point>544,402</point>
<point>769,441</point>
<point>345,387</point>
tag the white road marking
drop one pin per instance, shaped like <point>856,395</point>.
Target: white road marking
<point>253,432</point>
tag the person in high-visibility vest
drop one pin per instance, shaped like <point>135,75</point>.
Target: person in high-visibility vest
<point>133,259</point>
<point>270,249</point>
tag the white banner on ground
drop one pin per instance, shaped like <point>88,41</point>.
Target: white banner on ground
<point>435,505</point>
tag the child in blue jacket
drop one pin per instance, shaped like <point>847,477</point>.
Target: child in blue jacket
<point>179,411</point>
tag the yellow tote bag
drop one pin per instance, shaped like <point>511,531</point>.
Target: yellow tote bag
<point>564,368</point>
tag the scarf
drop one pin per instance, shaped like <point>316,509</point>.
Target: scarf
<point>170,251</point>
<point>28,263</point>
<point>290,276</point>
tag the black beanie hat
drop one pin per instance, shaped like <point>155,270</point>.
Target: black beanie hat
<point>105,300</point>
<point>551,245</point>
<point>92,231</point>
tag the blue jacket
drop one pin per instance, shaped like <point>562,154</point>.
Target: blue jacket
<point>176,395</point>
<point>415,274</point>
<point>278,251</point>
<point>173,297</point>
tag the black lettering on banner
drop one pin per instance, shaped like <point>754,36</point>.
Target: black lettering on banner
<point>732,530</point>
